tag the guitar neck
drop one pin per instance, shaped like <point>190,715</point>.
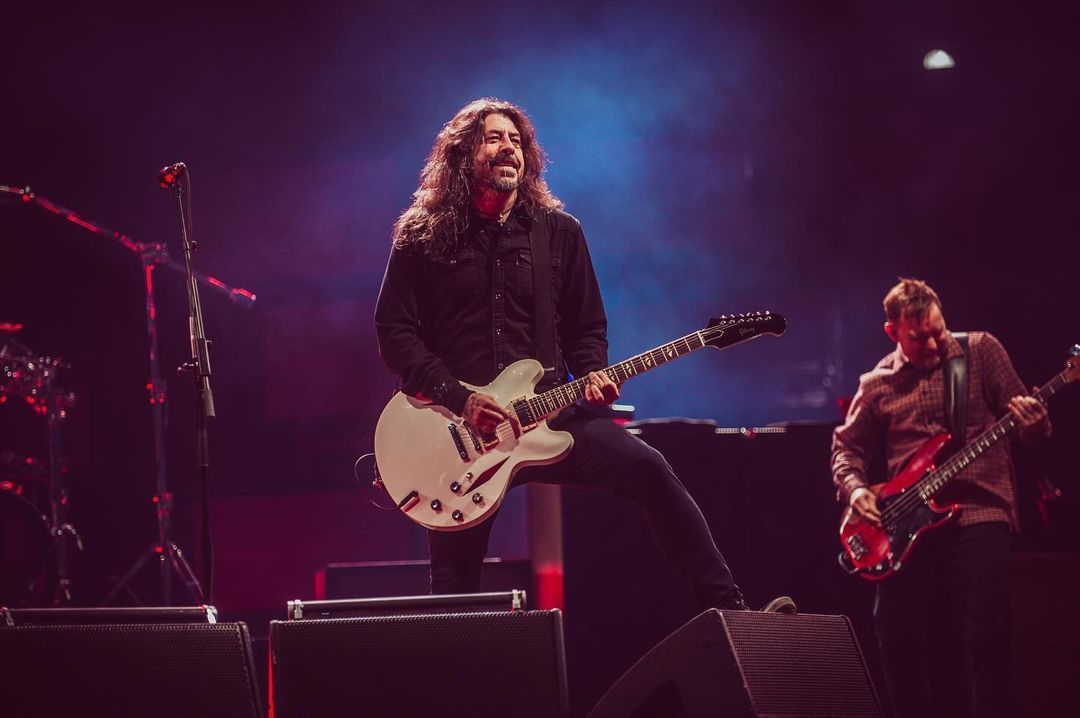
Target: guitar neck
<point>555,400</point>
<point>984,441</point>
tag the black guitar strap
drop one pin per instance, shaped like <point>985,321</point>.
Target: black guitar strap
<point>545,343</point>
<point>956,392</point>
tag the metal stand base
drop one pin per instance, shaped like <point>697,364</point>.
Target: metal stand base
<point>169,557</point>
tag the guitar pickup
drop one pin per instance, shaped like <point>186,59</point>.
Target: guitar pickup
<point>524,413</point>
<point>458,442</point>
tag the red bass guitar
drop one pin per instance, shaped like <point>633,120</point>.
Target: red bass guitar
<point>906,502</point>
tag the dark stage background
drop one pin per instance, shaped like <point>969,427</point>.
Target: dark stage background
<point>722,157</point>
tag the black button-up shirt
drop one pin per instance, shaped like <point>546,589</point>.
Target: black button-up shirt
<point>465,318</point>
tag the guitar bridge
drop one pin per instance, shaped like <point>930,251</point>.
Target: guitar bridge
<point>857,546</point>
<point>475,439</point>
<point>458,443</point>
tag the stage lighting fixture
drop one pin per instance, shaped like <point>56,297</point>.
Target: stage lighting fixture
<point>938,60</point>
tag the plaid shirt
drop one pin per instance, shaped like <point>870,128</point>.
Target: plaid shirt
<point>902,406</point>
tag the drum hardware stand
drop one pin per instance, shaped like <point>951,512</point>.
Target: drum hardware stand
<point>60,528</point>
<point>46,396</point>
<point>169,556</point>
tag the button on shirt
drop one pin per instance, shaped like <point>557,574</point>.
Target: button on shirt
<point>466,317</point>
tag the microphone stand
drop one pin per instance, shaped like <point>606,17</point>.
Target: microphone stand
<point>151,255</point>
<point>199,367</point>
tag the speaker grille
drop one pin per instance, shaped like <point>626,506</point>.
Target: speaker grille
<point>801,665</point>
<point>167,670</point>
<point>476,664</point>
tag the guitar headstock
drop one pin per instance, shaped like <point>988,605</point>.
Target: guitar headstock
<point>729,329</point>
<point>1072,364</point>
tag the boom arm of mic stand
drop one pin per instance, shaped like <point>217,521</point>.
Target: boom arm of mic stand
<point>159,252</point>
<point>236,295</point>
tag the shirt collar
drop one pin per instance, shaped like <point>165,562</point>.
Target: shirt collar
<point>952,351</point>
<point>518,211</point>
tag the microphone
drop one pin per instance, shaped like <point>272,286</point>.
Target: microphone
<point>169,174</point>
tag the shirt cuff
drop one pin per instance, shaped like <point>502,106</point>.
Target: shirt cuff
<point>455,398</point>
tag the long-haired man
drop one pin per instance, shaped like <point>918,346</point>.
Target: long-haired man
<point>458,304</point>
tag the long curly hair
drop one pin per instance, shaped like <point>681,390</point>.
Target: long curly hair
<point>440,207</point>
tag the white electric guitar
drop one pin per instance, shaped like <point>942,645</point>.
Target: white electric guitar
<point>447,477</point>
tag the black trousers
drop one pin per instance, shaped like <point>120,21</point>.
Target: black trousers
<point>605,456</point>
<point>943,625</point>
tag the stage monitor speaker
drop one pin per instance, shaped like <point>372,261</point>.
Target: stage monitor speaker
<point>468,664</point>
<point>166,670</point>
<point>745,663</point>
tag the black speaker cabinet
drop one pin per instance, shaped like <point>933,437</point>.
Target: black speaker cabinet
<point>167,670</point>
<point>410,578</point>
<point>451,664</point>
<point>745,663</point>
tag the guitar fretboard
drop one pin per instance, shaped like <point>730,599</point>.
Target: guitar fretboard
<point>555,400</point>
<point>978,446</point>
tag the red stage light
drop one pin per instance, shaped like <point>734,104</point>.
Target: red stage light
<point>549,587</point>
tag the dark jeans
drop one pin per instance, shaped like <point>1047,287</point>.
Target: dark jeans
<point>943,625</point>
<point>605,456</point>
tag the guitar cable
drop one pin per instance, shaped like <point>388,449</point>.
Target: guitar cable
<point>375,483</point>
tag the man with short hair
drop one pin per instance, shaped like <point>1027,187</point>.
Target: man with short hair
<point>943,620</point>
<point>458,304</point>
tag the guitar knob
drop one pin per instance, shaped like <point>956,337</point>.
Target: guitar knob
<point>457,515</point>
<point>455,487</point>
<point>468,476</point>
<point>436,504</point>
<point>477,498</point>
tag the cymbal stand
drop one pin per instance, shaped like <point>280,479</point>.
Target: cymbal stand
<point>170,558</point>
<point>152,255</point>
<point>62,531</point>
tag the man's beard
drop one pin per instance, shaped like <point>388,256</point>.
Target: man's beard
<point>504,184</point>
<point>497,181</point>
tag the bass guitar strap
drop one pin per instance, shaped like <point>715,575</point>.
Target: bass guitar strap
<point>956,392</point>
